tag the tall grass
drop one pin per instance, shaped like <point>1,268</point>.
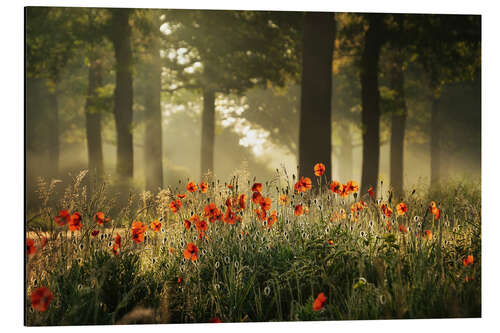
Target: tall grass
<point>249,271</point>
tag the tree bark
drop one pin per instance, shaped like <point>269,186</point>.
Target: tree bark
<point>208,131</point>
<point>53,133</point>
<point>398,125</point>
<point>435,143</point>
<point>370,115</point>
<point>123,98</point>
<point>93,119</point>
<point>315,129</point>
<point>153,151</point>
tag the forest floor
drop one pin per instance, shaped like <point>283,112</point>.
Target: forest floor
<point>274,252</point>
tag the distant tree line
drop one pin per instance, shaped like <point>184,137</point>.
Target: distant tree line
<point>215,53</point>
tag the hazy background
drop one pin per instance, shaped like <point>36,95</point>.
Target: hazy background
<point>256,122</point>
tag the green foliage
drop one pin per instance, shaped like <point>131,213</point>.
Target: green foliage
<point>257,48</point>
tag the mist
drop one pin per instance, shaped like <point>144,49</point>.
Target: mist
<point>257,101</point>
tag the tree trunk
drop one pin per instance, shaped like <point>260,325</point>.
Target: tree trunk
<point>315,129</point>
<point>435,143</point>
<point>93,119</point>
<point>398,125</point>
<point>370,115</point>
<point>121,32</point>
<point>153,151</point>
<point>208,131</point>
<point>53,133</point>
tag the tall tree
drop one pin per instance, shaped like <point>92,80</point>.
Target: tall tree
<point>92,35</point>
<point>370,99</point>
<point>93,117</point>
<point>315,131</point>
<point>49,45</point>
<point>453,54</point>
<point>436,123</point>
<point>123,97</point>
<point>398,121</point>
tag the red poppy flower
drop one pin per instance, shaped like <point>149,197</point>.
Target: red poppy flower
<point>191,252</point>
<point>428,234</point>
<point>256,197</point>
<point>469,260</point>
<point>179,280</point>
<point>76,222</point>
<point>434,210</point>
<point>203,187</point>
<point>94,233</point>
<point>272,219</point>
<point>216,320</point>
<point>370,192</point>
<point>194,219</point>
<point>330,242</point>
<point>261,214</point>
<point>403,229</point>
<point>138,230</point>
<point>187,224</point>
<point>155,226</point>
<point>201,225</point>
<point>216,217</point>
<point>257,187</point>
<point>63,218</point>
<point>351,186</point>
<point>336,187</point>
<point>386,210</point>
<point>265,203</point>
<point>319,302</point>
<point>402,208</point>
<point>229,216</point>
<point>175,205</point>
<point>242,201</point>
<point>41,298</point>
<point>212,212</point>
<point>210,209</point>
<point>303,184</point>
<point>306,183</point>
<point>319,169</point>
<point>298,210</point>
<point>100,218</point>
<point>30,246</point>
<point>181,196</point>
<point>118,240</point>
<point>116,249</point>
<point>343,191</point>
<point>192,187</point>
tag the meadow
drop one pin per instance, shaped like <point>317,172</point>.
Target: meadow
<point>286,249</point>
